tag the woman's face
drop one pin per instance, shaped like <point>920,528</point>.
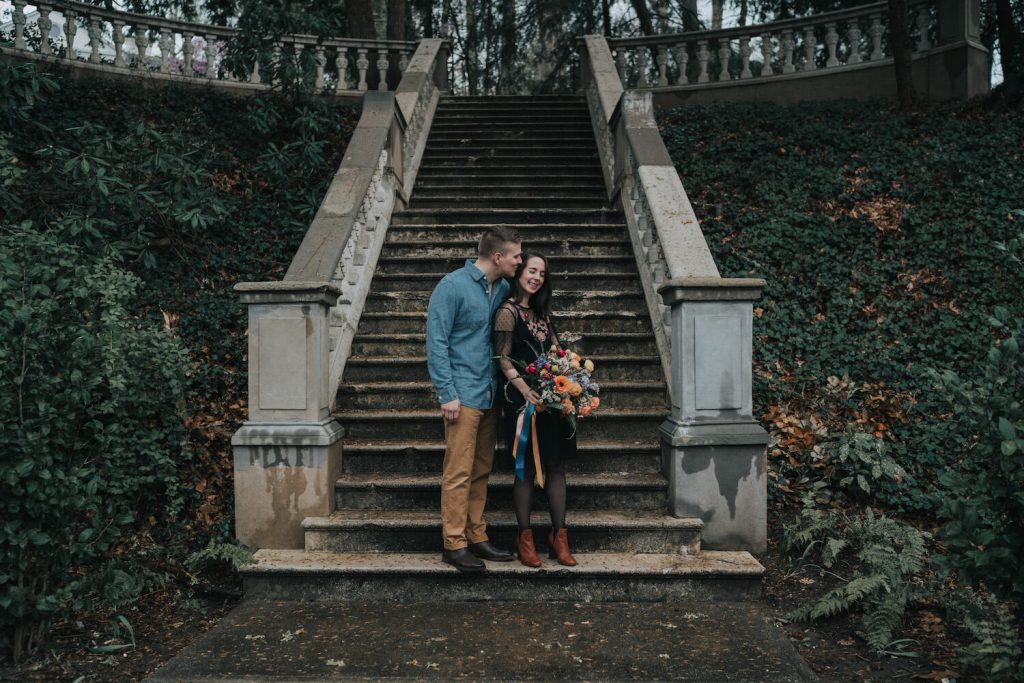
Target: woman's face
<point>532,277</point>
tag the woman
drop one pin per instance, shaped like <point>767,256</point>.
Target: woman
<point>522,330</point>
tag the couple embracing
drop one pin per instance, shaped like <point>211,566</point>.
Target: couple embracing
<point>496,305</point>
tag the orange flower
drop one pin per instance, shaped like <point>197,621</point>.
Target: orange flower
<point>567,406</point>
<point>575,389</point>
<point>562,383</point>
<point>594,402</point>
<point>585,410</point>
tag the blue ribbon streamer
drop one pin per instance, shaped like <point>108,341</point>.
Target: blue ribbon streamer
<point>524,434</point>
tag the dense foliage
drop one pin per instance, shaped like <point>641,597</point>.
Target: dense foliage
<point>877,235</point>
<point>127,215</point>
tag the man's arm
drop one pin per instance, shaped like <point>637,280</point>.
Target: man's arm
<point>440,319</point>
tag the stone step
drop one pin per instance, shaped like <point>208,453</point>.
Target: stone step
<point>592,345</point>
<point>616,531</point>
<point>707,577</point>
<point>533,158</point>
<point>414,368</point>
<point>524,121</point>
<point>446,174</point>
<point>425,263</point>
<point>566,322</point>
<point>575,301</point>
<point>404,395</point>
<point>639,424</point>
<point>511,138</point>
<point>426,455</point>
<point>529,188</point>
<point>486,202</point>
<point>601,491</point>
<point>473,216</point>
<point>577,233</point>
<point>560,280</point>
<point>554,249</point>
<point>519,144</point>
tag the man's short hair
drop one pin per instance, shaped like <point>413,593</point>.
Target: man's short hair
<point>495,239</point>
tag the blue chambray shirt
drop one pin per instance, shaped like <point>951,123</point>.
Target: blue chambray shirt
<point>459,350</point>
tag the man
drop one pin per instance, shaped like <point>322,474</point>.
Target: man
<point>460,361</point>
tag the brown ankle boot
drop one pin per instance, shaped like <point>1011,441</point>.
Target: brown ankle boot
<point>527,550</point>
<point>560,548</point>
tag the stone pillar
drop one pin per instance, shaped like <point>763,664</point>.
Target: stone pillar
<point>713,451</point>
<point>288,454</point>
<point>958,64</point>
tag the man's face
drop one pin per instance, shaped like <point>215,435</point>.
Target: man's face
<point>509,258</point>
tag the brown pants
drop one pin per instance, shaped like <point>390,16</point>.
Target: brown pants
<point>468,457</point>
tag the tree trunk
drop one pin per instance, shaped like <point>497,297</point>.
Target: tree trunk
<point>1009,40</point>
<point>744,6</point>
<point>643,15</point>
<point>902,53</point>
<point>691,19</point>
<point>717,6</point>
<point>606,17</point>
<point>426,9</point>
<point>396,19</point>
<point>360,19</point>
<point>470,53</point>
<point>508,47</point>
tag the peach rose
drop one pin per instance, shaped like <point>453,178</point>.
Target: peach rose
<point>584,411</point>
<point>588,365</point>
<point>574,365</point>
<point>594,402</point>
<point>575,389</point>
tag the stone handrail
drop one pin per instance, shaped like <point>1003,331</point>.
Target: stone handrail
<point>793,46</point>
<point>301,328</point>
<point>666,236</point>
<point>713,451</point>
<point>126,42</point>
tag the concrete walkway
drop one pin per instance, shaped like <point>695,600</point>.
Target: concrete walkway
<point>294,641</point>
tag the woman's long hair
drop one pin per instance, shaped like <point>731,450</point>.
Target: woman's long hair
<point>540,302</point>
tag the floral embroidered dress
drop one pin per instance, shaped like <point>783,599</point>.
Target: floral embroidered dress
<point>520,335</point>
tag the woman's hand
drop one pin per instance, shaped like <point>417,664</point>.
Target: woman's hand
<point>531,396</point>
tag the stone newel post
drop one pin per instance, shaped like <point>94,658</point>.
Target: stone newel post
<point>713,451</point>
<point>288,454</point>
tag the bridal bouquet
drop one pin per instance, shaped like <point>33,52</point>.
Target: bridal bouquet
<point>563,380</point>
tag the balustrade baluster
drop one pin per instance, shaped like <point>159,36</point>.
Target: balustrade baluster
<point>875,32</point>
<point>70,29</point>
<point>788,45</point>
<point>341,65</point>
<point>620,64</point>
<point>641,67</point>
<point>382,69</point>
<point>682,58</point>
<point>662,66</point>
<point>45,24</point>
<point>118,38</point>
<point>724,55</point>
<point>254,76</point>
<point>211,57</point>
<point>142,44</point>
<point>702,61</point>
<point>810,43</point>
<point>166,50</point>
<point>19,20</point>
<point>403,61</point>
<point>832,41</point>
<point>186,52</point>
<point>853,36</point>
<point>297,49</point>
<point>94,32</point>
<point>275,62</point>
<point>321,62</point>
<point>745,51</point>
<point>766,54</point>
<point>922,29</point>
<point>362,64</point>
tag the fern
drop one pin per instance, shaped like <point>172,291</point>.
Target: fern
<point>996,649</point>
<point>236,556</point>
<point>887,558</point>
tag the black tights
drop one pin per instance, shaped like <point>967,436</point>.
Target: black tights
<point>554,487</point>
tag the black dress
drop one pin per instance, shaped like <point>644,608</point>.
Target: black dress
<point>518,334</point>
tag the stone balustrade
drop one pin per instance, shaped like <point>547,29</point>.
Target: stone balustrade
<point>124,42</point>
<point>287,454</point>
<point>713,451</point>
<point>824,41</point>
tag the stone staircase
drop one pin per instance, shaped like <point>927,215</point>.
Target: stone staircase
<point>528,162</point>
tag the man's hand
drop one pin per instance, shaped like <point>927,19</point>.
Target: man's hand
<point>450,410</point>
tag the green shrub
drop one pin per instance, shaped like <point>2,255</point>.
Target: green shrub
<point>92,435</point>
<point>886,561</point>
<point>996,649</point>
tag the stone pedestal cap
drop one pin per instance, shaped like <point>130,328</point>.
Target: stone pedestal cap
<point>710,289</point>
<point>288,292</point>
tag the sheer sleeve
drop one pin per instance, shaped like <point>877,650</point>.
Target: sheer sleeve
<point>501,337</point>
<point>553,333</point>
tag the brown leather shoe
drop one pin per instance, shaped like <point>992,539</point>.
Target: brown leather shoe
<point>560,548</point>
<point>527,550</point>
